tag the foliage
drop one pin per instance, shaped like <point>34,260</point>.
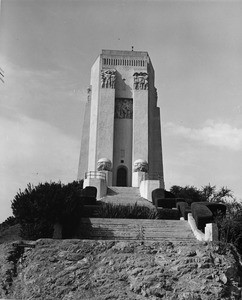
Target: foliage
<point>38,208</point>
<point>108,210</point>
<point>230,225</point>
<point>201,214</point>
<point>10,221</point>
<point>187,192</point>
<point>205,193</point>
<point>168,214</point>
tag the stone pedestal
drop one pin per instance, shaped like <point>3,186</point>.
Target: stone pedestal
<point>109,177</point>
<point>146,188</point>
<point>100,185</point>
<point>137,177</point>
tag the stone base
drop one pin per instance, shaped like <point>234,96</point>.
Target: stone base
<point>146,188</point>
<point>100,185</point>
<point>136,178</point>
<point>109,177</point>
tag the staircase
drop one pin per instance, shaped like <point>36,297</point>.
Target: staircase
<point>125,196</point>
<point>133,229</point>
<point>136,229</point>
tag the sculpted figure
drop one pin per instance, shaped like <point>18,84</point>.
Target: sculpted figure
<point>104,164</point>
<point>136,81</point>
<point>140,165</point>
<point>108,78</point>
<point>146,78</point>
<point>113,78</point>
<point>141,81</point>
<point>123,109</point>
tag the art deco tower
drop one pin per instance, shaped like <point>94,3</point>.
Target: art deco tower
<point>122,120</point>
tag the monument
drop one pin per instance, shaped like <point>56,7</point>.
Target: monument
<point>121,130</point>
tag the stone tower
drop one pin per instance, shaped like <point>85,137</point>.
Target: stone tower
<point>121,128</point>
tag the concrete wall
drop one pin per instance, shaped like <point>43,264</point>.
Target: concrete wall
<point>146,188</point>
<point>122,147</point>
<point>105,124</point>
<point>83,160</point>
<point>95,83</point>
<point>140,125</point>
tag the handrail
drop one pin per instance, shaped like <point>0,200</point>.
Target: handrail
<point>95,174</point>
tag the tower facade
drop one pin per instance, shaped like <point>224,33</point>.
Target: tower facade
<point>122,120</point>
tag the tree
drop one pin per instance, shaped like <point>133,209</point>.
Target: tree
<point>206,193</point>
<point>38,208</point>
<point>187,192</point>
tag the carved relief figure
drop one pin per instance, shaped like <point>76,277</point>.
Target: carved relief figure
<point>141,81</point>
<point>108,78</point>
<point>123,109</point>
<point>136,81</point>
<point>104,164</point>
<point>140,165</point>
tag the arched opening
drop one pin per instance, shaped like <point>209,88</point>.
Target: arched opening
<point>122,176</point>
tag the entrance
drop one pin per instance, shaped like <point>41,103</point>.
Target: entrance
<point>122,176</point>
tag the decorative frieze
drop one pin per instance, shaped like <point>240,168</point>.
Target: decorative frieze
<point>141,81</point>
<point>123,109</point>
<point>108,78</point>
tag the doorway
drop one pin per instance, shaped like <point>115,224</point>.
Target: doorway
<point>122,176</point>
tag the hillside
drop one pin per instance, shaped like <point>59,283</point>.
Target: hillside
<point>86,269</point>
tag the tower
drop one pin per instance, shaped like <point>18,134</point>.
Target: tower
<point>122,120</point>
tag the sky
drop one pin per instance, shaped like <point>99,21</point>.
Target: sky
<point>47,49</point>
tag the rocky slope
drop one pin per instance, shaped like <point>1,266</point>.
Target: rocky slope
<point>85,269</point>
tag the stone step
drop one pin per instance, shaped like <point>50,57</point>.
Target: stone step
<point>125,196</point>
<point>135,229</point>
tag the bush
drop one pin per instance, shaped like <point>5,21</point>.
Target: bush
<point>168,214</point>
<point>157,194</point>
<point>10,221</point>
<point>108,210</point>
<point>216,208</point>
<point>202,215</point>
<point>88,195</point>
<point>230,225</point>
<point>183,209</point>
<point>38,208</point>
<point>168,203</point>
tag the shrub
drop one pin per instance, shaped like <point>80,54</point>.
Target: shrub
<point>201,214</point>
<point>183,209</point>
<point>230,225</point>
<point>108,210</point>
<point>89,191</point>
<point>38,208</point>
<point>157,194</point>
<point>168,214</point>
<point>10,221</point>
<point>216,208</point>
<point>88,195</point>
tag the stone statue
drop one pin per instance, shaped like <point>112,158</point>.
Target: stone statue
<point>141,81</point>
<point>108,78</point>
<point>136,81</point>
<point>104,164</point>
<point>140,165</point>
<point>123,109</point>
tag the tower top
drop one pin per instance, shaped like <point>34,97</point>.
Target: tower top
<point>125,53</point>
